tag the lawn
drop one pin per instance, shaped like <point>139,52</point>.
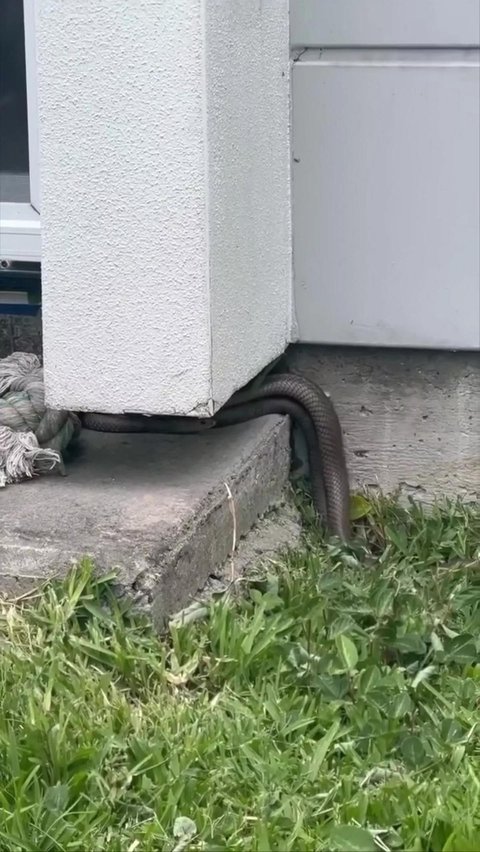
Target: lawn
<point>333,704</point>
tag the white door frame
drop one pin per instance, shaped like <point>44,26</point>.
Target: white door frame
<point>20,222</point>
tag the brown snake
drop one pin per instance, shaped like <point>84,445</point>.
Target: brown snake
<point>289,394</point>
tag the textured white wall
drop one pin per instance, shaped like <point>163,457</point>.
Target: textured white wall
<point>249,186</point>
<point>123,205</point>
<point>165,199</point>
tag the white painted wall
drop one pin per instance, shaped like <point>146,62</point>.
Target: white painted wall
<point>165,200</point>
<point>386,181</point>
<point>384,23</point>
<point>249,186</point>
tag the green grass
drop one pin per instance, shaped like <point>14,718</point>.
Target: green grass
<point>333,705</point>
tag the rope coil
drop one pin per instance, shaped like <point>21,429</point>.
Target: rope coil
<point>32,436</point>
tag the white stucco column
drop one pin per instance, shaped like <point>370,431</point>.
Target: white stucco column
<point>165,209</point>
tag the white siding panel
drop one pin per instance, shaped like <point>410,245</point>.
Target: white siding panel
<point>385,23</point>
<point>386,202</point>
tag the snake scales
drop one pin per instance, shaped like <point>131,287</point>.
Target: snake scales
<point>289,394</point>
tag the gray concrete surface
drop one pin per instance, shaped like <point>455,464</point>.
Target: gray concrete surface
<point>153,507</point>
<point>411,418</point>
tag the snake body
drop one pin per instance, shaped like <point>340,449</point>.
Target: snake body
<point>289,394</point>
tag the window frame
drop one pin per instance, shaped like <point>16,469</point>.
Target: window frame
<point>20,237</point>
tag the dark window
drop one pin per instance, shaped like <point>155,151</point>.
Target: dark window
<point>14,177</point>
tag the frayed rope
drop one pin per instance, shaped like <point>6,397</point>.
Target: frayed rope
<point>32,437</point>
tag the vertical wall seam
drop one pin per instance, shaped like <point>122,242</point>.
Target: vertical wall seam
<point>206,163</point>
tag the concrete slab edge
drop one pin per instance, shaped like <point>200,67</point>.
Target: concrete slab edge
<point>164,578</point>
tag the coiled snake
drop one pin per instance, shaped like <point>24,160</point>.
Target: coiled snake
<point>290,394</point>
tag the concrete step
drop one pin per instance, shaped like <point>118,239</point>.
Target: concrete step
<point>155,508</point>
